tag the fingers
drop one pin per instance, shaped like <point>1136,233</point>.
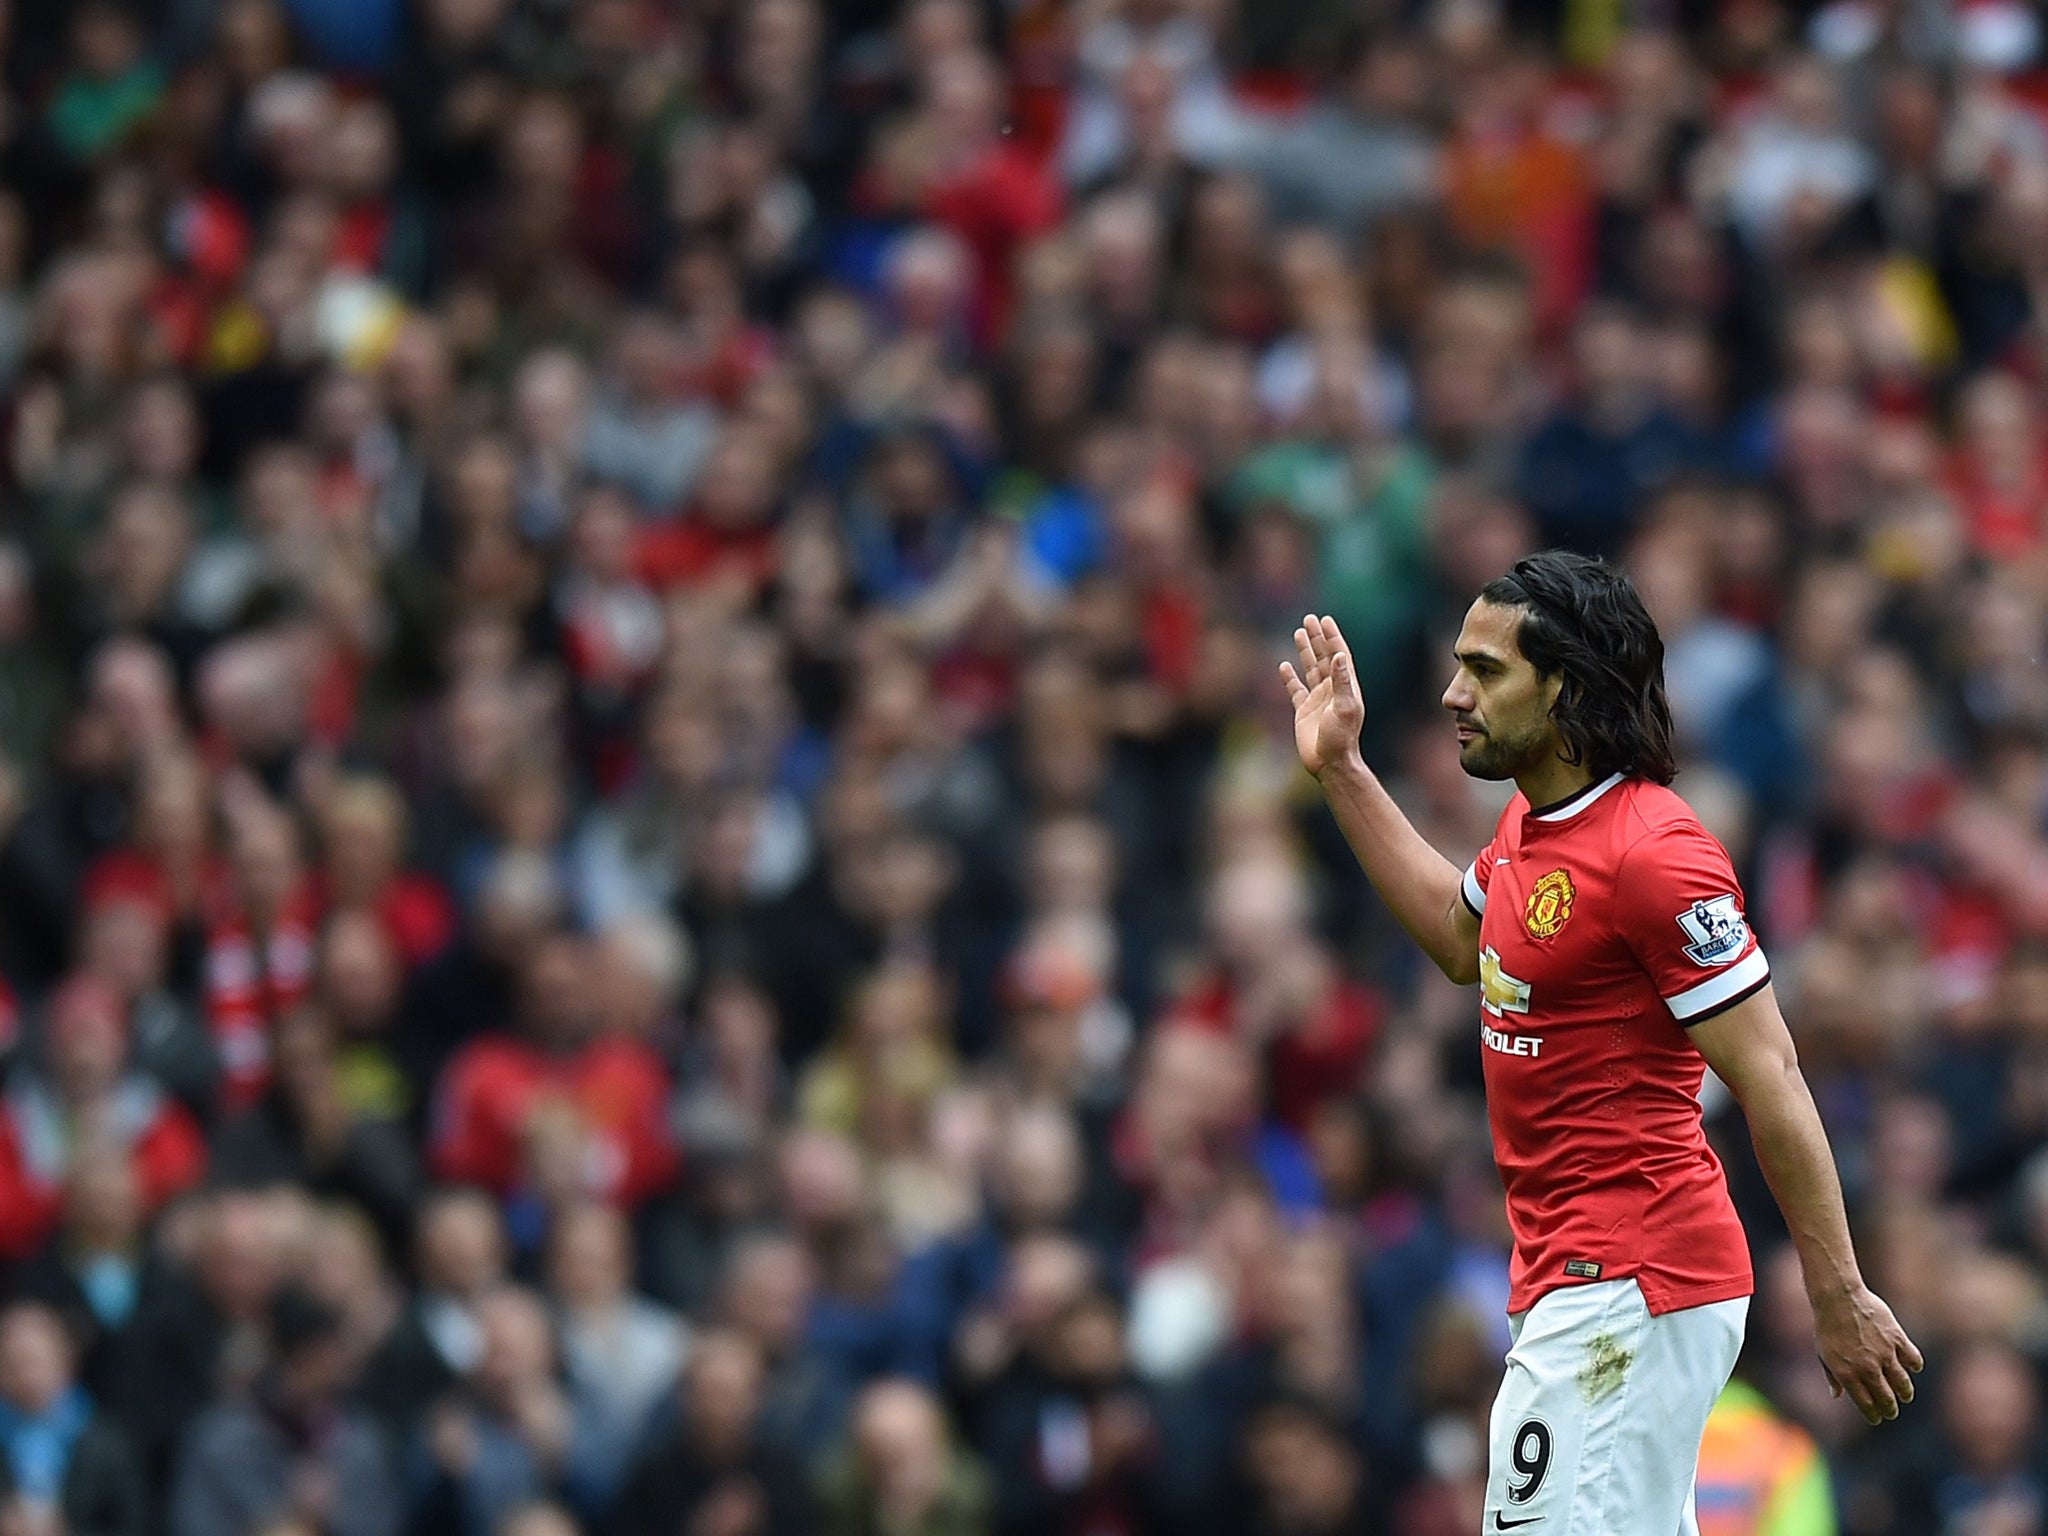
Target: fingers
<point>1868,1389</point>
<point>1342,667</point>
<point>1296,692</point>
<point>1855,1391</point>
<point>1318,643</point>
<point>1874,1395</point>
<point>1334,637</point>
<point>1910,1353</point>
<point>1326,644</point>
<point>1899,1379</point>
<point>1311,665</point>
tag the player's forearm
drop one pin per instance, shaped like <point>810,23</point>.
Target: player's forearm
<point>1792,1149</point>
<point>1418,884</point>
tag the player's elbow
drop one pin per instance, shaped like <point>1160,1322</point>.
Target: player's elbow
<point>1456,950</point>
<point>1765,1078</point>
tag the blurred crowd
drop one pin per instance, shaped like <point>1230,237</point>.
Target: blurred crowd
<point>652,881</point>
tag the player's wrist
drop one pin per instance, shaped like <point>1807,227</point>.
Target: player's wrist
<point>1830,1282</point>
<point>1348,767</point>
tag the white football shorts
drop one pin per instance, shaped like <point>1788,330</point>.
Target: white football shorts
<point>1596,1431</point>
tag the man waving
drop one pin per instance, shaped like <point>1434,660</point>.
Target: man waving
<point>1606,931</point>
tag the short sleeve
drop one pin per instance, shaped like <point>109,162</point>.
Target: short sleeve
<point>1683,918</point>
<point>1472,884</point>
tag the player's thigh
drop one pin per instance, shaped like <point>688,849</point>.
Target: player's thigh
<point>1639,1480</point>
<point>1538,1432</point>
<point>1597,1425</point>
<point>1694,1351</point>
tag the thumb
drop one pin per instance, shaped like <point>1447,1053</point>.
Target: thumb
<point>1341,666</point>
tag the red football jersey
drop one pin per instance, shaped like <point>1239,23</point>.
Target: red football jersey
<point>1608,923</point>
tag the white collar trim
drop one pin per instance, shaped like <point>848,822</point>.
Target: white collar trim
<point>1580,801</point>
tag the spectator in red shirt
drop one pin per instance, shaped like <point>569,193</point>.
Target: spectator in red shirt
<point>557,1110</point>
<point>1999,476</point>
<point>363,832</point>
<point>611,624</point>
<point>1276,987</point>
<point>259,948</point>
<point>990,192</point>
<point>720,353</point>
<point>86,1091</point>
<point>728,536</point>
<point>169,861</point>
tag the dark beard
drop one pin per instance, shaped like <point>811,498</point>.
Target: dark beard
<point>1490,758</point>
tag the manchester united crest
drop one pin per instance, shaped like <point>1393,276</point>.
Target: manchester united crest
<point>1550,904</point>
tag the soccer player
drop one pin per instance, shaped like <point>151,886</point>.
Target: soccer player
<point>1606,931</point>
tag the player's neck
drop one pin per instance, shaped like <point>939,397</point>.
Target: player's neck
<point>1555,780</point>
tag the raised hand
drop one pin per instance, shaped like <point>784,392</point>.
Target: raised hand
<point>1329,711</point>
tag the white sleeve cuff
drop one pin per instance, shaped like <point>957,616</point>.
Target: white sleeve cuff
<point>1719,991</point>
<point>1472,891</point>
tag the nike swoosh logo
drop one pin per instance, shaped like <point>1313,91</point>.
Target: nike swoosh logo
<point>1508,1525</point>
<point>1497,864</point>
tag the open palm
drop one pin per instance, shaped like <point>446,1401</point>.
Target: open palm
<point>1329,711</point>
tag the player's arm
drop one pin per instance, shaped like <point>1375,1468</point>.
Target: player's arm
<point>1418,884</point>
<point>1865,1351</point>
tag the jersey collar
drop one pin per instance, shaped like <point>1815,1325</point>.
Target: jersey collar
<point>1575,802</point>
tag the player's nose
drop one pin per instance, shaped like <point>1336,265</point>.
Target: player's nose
<point>1458,698</point>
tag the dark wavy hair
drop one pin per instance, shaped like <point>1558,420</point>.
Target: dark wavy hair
<point>1582,620</point>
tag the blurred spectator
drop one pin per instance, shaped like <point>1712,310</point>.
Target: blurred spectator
<point>509,1434</point>
<point>111,87</point>
<point>343,1266</point>
<point>1986,1465</point>
<point>201,1334</point>
<point>620,1352</point>
<point>125,941</point>
<point>1174,39</point>
<point>97,1268</point>
<point>458,1257</point>
<point>715,1471</point>
<point>303,1133</point>
<point>1759,1475</point>
<point>899,1471</point>
<point>1587,468</point>
<point>360,988</point>
<point>1794,159</point>
<point>259,948</point>
<point>1069,1434</point>
<point>86,1083</point>
<point>538,1520</point>
<point>294,1448</point>
<point>1276,990</point>
<point>64,1465</point>
<point>364,832</point>
<point>1304,1474</point>
<point>1361,129</point>
<point>766,1296</point>
<point>558,1110</point>
<point>639,436</point>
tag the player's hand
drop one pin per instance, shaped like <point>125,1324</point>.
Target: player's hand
<point>1329,711</point>
<point>1865,1352</point>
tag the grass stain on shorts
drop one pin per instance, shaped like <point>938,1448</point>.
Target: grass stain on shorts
<point>1605,1369</point>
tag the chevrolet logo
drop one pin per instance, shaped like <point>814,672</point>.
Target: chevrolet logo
<point>1498,991</point>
